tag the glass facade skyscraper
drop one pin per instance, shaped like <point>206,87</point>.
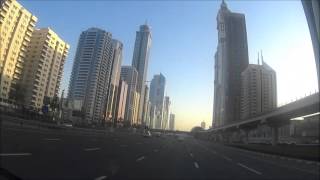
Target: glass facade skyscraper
<point>231,59</point>
<point>140,62</point>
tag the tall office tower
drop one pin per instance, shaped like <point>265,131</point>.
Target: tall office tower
<point>90,75</point>
<point>258,90</point>
<point>156,96</point>
<point>121,101</point>
<point>130,75</point>
<point>171,124</point>
<point>43,68</point>
<point>166,111</point>
<point>114,80</point>
<point>312,12</point>
<point>140,62</point>
<point>231,59</point>
<point>16,27</point>
<point>145,106</point>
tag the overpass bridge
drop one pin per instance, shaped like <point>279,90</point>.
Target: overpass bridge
<point>274,119</point>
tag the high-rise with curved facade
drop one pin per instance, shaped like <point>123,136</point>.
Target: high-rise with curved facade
<point>90,76</point>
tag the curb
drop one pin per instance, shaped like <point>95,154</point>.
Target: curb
<point>280,157</point>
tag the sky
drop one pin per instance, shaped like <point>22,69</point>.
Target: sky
<point>184,40</point>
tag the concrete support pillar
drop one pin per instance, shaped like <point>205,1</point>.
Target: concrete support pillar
<point>246,137</point>
<point>275,135</point>
<point>227,137</point>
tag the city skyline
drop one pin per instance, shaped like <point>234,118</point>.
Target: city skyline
<point>187,121</point>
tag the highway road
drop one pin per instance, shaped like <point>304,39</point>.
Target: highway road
<point>52,154</point>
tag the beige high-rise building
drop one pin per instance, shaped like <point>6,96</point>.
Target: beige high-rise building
<point>121,101</point>
<point>258,90</point>
<point>129,74</point>
<point>135,109</point>
<point>16,27</point>
<point>46,55</point>
<point>114,80</point>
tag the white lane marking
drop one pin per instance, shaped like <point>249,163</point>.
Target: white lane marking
<point>140,158</point>
<point>52,139</point>
<point>214,152</point>
<point>204,147</point>
<point>15,154</point>
<point>155,150</point>
<point>191,155</point>
<point>250,169</point>
<point>283,166</point>
<point>91,149</point>
<point>227,158</point>
<point>101,178</point>
<point>196,165</point>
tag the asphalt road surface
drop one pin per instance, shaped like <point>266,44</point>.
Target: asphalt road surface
<point>31,154</point>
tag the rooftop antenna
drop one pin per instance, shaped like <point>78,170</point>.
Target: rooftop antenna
<point>261,57</point>
<point>223,2</point>
<point>146,22</point>
<point>258,59</point>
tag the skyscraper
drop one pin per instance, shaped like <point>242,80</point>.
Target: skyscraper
<point>146,105</point>
<point>166,111</point>
<point>140,62</point>
<point>44,63</point>
<point>16,27</point>
<point>121,101</point>
<point>172,123</point>
<point>231,59</point>
<point>90,74</point>
<point>135,109</point>
<point>156,96</point>
<point>130,75</point>
<point>258,90</point>
<point>114,80</point>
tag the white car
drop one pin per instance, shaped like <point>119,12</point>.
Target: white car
<point>147,134</point>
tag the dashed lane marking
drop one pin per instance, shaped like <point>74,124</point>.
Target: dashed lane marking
<point>52,139</point>
<point>101,178</point>
<point>196,165</point>
<point>227,158</point>
<point>250,169</point>
<point>91,149</point>
<point>15,154</point>
<point>140,158</point>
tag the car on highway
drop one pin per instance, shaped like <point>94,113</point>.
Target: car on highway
<point>147,134</point>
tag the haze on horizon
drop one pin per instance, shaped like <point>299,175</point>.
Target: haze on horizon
<point>184,40</point>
